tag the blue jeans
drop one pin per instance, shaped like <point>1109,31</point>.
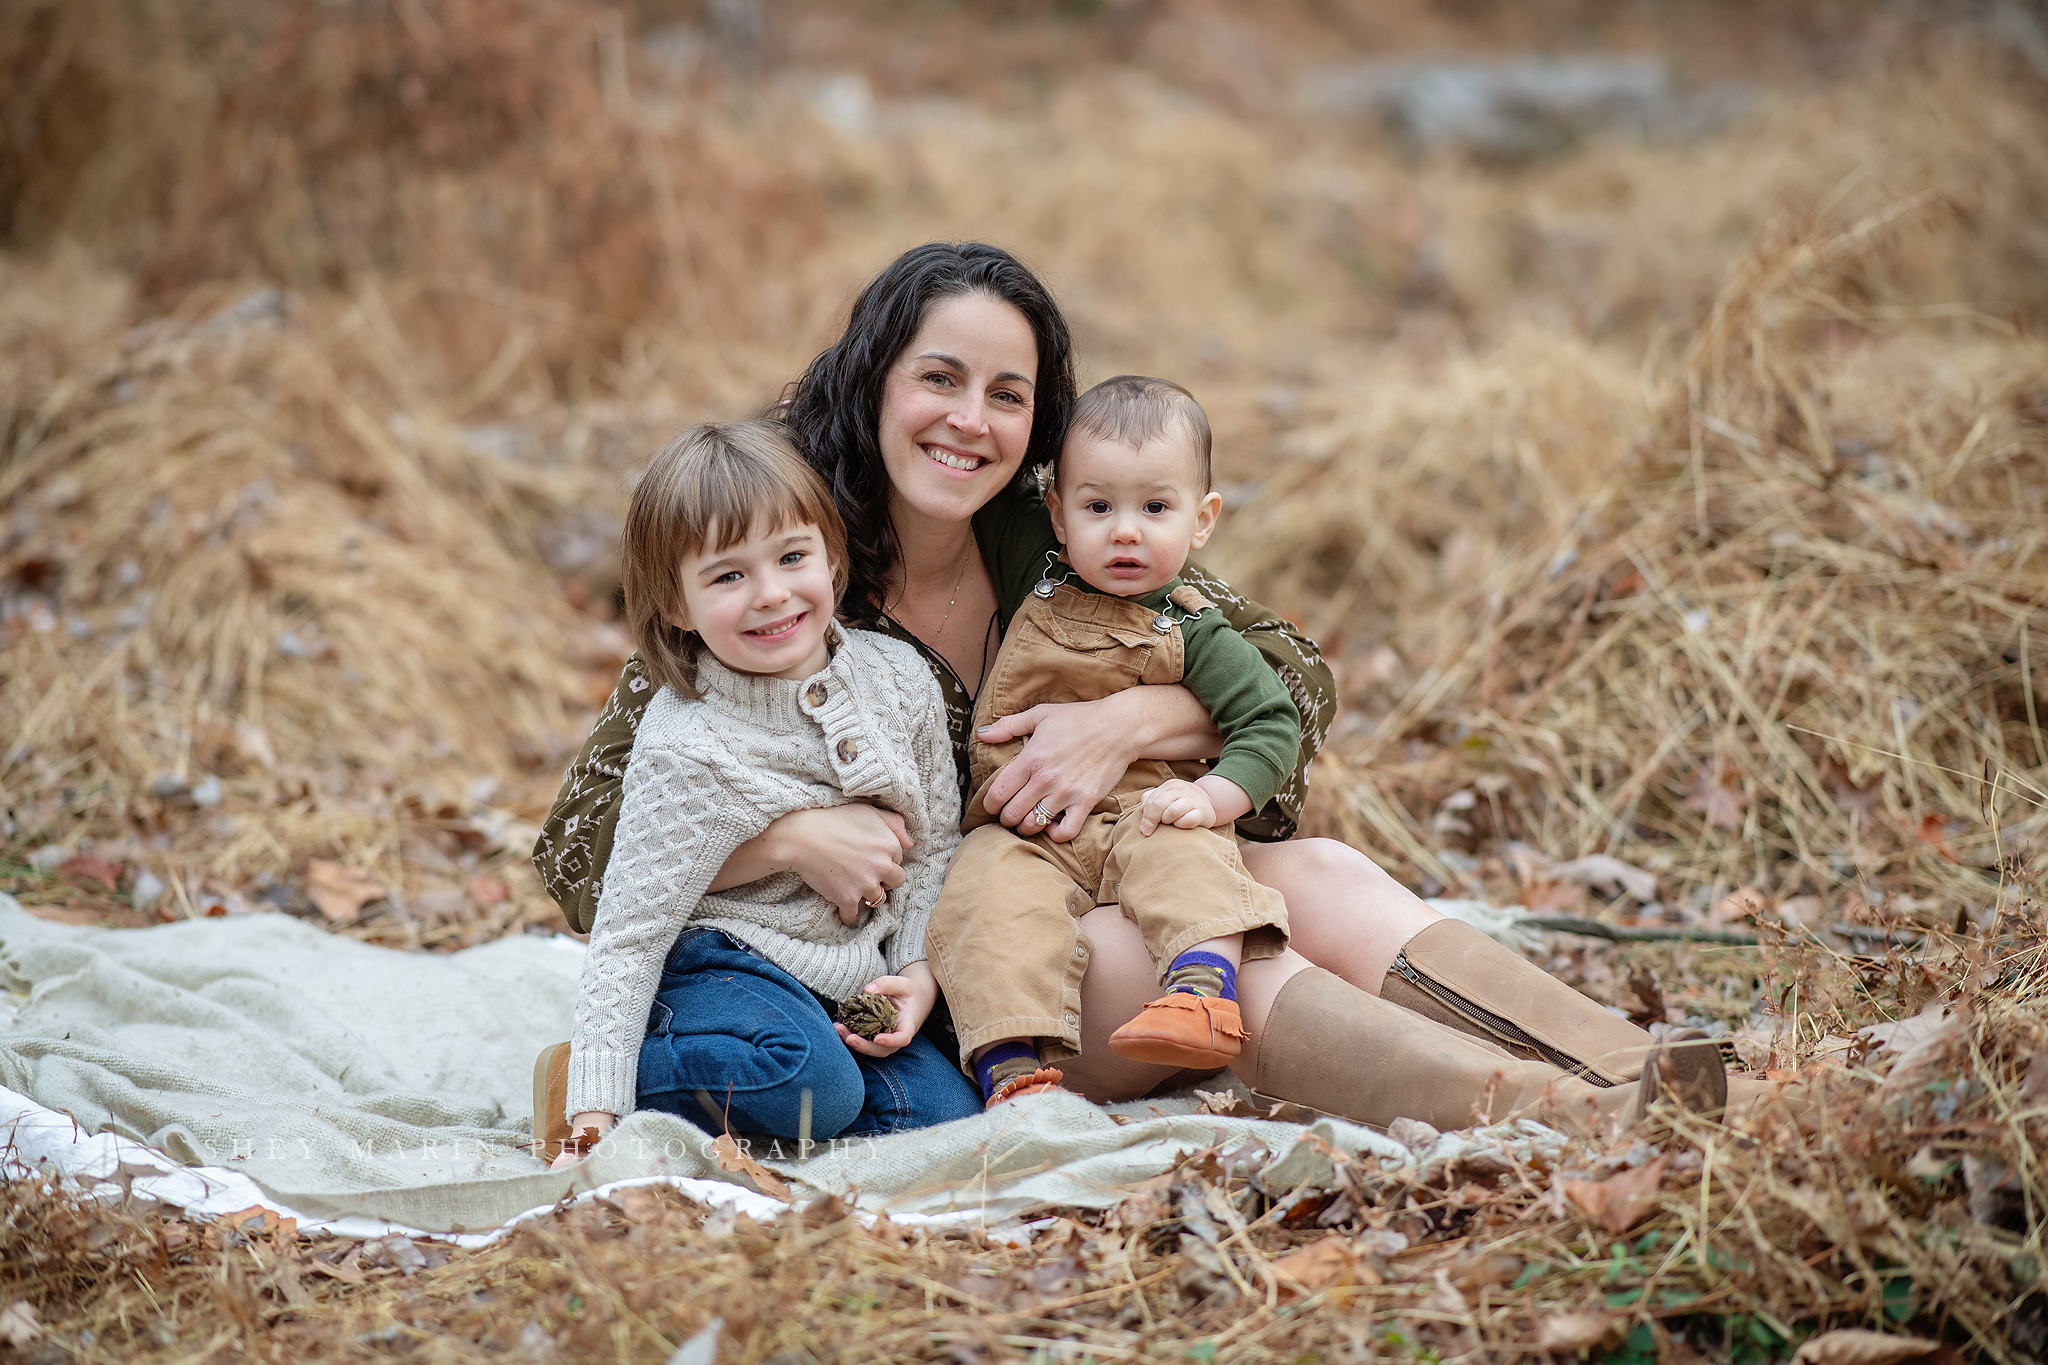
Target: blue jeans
<point>734,1026</point>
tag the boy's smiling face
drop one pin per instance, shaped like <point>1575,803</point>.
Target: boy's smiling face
<point>1129,517</point>
<point>762,606</point>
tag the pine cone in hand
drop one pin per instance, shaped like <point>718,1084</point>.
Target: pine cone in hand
<point>868,1014</point>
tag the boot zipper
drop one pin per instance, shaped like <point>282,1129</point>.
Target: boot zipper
<point>1493,1023</point>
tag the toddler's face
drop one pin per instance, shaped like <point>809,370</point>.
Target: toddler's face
<point>761,606</point>
<point>1129,518</point>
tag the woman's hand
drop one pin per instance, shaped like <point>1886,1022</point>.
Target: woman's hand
<point>1078,751</point>
<point>848,854</point>
<point>915,990</point>
<point>593,1118</point>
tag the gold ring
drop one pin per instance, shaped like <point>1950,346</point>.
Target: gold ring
<point>869,905</point>
<point>1041,814</point>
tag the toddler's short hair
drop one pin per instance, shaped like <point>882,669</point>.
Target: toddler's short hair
<point>720,479</point>
<point>1133,409</point>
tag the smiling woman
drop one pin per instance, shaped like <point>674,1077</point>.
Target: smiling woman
<point>954,379</point>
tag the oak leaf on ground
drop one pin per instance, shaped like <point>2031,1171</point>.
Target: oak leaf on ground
<point>1859,1346</point>
<point>341,892</point>
<point>1320,1265</point>
<point>731,1158</point>
<point>1622,1200</point>
<point>1564,1333</point>
<point>81,868</point>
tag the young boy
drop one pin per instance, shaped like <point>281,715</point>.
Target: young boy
<point>733,560</point>
<point>1130,498</point>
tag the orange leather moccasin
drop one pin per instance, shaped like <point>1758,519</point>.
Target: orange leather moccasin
<point>1042,1081</point>
<point>1184,1030</point>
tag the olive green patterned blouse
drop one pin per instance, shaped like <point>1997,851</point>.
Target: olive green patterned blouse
<point>1015,536</point>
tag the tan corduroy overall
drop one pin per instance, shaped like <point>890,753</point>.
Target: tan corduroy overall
<point>1005,939</point>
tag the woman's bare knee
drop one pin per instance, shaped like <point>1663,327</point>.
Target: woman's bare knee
<point>1344,912</point>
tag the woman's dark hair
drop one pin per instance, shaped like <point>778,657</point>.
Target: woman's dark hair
<point>833,411</point>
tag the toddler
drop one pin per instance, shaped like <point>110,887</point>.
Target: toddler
<point>733,560</point>
<point>1130,498</point>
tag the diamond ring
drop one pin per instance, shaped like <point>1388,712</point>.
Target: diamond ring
<point>1041,814</point>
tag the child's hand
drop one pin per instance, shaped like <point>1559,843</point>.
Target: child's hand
<point>915,991</point>
<point>1180,804</point>
<point>594,1118</point>
<point>1205,803</point>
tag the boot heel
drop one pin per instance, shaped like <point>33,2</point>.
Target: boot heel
<point>1689,1074</point>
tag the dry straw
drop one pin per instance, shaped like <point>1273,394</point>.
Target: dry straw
<point>1785,630</point>
<point>1682,504</point>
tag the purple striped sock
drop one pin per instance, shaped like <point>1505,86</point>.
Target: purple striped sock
<point>1194,969</point>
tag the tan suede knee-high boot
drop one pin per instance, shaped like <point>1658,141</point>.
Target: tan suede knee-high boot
<point>1456,975</point>
<point>1333,1047</point>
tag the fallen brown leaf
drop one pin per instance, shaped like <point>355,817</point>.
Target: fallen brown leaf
<point>1651,1008</point>
<point>289,1285</point>
<point>1848,795</point>
<point>1445,1298</point>
<point>1718,795</point>
<point>731,1158</point>
<point>252,742</point>
<point>344,1270</point>
<point>1933,832</point>
<point>257,1219</point>
<point>2034,1088</point>
<point>1226,1104</point>
<point>341,892</point>
<point>1319,1265</point>
<point>639,1204</point>
<point>488,888</point>
<point>1487,1270</point>
<point>81,868</point>
<point>18,1325</point>
<point>1858,1346</point>
<point>1741,906</point>
<point>1622,1200</point>
<point>1567,1332</point>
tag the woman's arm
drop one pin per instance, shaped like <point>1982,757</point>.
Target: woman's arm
<point>846,854</point>
<point>1079,750</point>
<point>575,841</point>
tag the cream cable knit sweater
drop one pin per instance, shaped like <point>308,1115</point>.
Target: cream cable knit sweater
<point>708,775</point>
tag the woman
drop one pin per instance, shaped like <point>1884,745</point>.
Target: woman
<point>952,382</point>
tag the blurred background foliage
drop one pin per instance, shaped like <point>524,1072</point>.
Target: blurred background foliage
<point>1642,403</point>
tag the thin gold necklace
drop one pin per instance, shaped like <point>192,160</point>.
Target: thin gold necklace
<point>965,555</point>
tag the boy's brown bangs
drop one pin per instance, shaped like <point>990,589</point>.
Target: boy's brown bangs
<point>713,486</point>
<point>741,498</point>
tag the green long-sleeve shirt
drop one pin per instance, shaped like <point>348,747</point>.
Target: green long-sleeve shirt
<point>1226,673</point>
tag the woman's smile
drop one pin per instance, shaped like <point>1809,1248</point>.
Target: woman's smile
<point>953,459</point>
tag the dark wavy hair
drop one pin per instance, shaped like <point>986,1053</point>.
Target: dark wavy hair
<point>833,412</point>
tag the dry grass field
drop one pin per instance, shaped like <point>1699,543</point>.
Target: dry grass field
<point>1666,485</point>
